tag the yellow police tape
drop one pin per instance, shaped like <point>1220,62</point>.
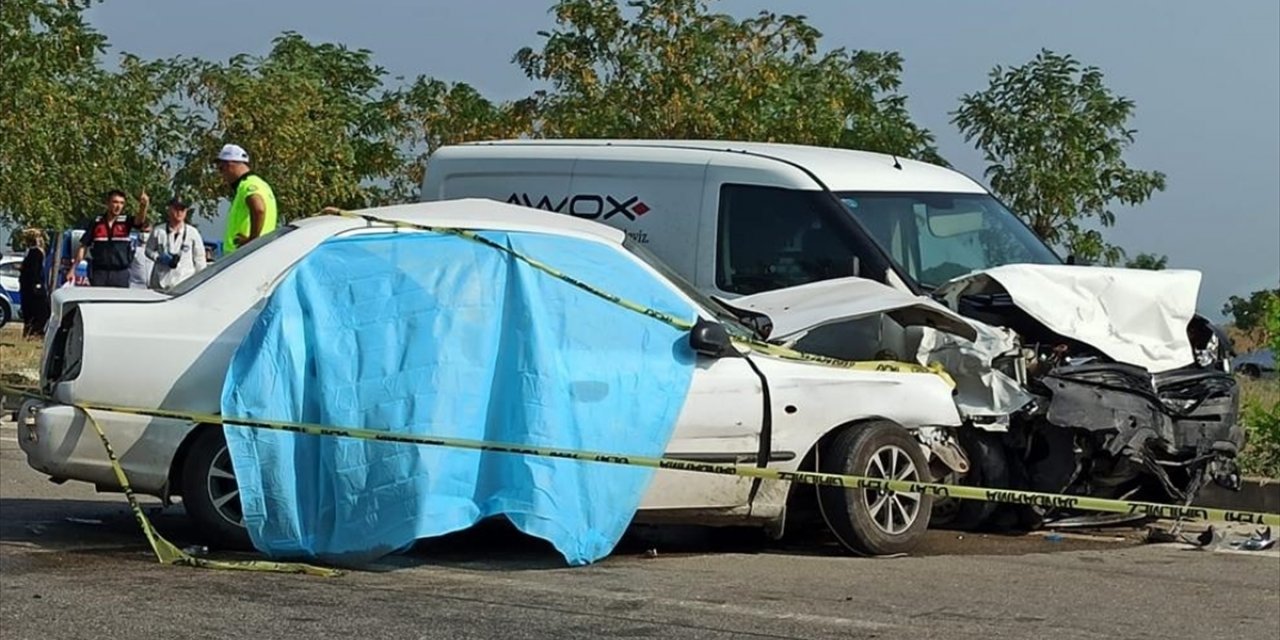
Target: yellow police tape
<point>168,554</point>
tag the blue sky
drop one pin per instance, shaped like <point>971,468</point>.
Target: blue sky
<point>1205,77</point>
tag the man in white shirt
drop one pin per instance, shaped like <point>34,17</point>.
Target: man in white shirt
<point>176,247</point>
<point>140,266</point>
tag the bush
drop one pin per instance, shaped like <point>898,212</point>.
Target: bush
<point>1261,421</point>
<point>1260,402</point>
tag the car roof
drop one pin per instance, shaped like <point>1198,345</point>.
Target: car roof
<point>480,214</point>
<point>838,169</point>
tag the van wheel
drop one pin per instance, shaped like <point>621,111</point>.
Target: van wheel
<point>875,522</point>
<point>988,468</point>
<point>210,492</point>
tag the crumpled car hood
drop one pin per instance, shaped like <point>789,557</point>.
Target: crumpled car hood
<point>1134,316</point>
<point>799,309</point>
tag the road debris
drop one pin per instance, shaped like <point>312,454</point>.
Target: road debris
<point>1260,540</point>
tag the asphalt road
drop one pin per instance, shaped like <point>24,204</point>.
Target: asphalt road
<point>74,565</point>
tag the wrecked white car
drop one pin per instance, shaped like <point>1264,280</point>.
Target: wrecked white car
<point>172,351</point>
<point>1080,380</point>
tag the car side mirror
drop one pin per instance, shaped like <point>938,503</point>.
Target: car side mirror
<point>711,339</point>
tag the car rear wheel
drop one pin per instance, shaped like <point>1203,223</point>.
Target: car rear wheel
<point>210,492</point>
<point>1251,371</point>
<point>875,522</point>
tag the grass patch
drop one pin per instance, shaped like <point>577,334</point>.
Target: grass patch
<point>19,358</point>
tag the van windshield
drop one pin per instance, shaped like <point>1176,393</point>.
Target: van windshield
<point>934,237</point>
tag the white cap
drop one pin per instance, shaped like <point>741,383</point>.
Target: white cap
<point>233,153</point>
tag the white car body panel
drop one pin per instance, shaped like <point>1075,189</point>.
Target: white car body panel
<point>981,391</point>
<point>1134,316</point>
<point>797,310</point>
<point>66,446</point>
<point>963,346</point>
<point>178,349</point>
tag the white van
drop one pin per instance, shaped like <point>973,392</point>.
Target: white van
<point>742,218</point>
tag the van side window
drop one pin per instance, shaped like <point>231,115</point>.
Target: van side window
<point>770,238</point>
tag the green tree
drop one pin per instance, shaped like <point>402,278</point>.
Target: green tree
<point>1147,261</point>
<point>1053,136</point>
<point>676,70</point>
<point>1250,314</point>
<point>71,130</point>
<point>436,113</point>
<point>316,119</point>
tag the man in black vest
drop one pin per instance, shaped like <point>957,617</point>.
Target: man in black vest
<point>108,239</point>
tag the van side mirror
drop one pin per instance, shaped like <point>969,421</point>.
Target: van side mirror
<point>711,339</point>
<point>1073,259</point>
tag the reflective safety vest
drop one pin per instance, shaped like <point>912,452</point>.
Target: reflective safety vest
<point>239,222</point>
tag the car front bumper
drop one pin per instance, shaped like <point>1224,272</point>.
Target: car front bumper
<point>60,442</point>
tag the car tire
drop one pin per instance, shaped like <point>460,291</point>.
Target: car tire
<point>1251,371</point>
<point>210,493</point>
<point>6,313</point>
<point>871,522</point>
<point>988,468</point>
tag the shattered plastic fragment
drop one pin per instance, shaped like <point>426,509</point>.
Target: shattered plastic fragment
<point>1261,540</point>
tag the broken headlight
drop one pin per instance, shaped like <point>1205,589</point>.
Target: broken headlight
<point>1205,357</point>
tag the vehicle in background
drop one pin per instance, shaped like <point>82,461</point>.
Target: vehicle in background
<point>7,311</point>
<point>10,269</point>
<point>1256,364</point>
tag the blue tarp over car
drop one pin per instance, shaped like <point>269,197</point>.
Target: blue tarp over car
<point>435,334</point>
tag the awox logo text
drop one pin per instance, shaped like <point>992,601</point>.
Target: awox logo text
<point>586,205</point>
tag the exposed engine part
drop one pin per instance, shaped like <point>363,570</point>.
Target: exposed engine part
<point>1121,430</point>
<point>1101,423</point>
<point>943,446</point>
<point>950,453</point>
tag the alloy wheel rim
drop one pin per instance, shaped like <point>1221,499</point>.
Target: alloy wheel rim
<point>224,491</point>
<point>893,512</point>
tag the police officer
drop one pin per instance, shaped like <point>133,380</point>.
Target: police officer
<point>253,203</point>
<point>108,239</point>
